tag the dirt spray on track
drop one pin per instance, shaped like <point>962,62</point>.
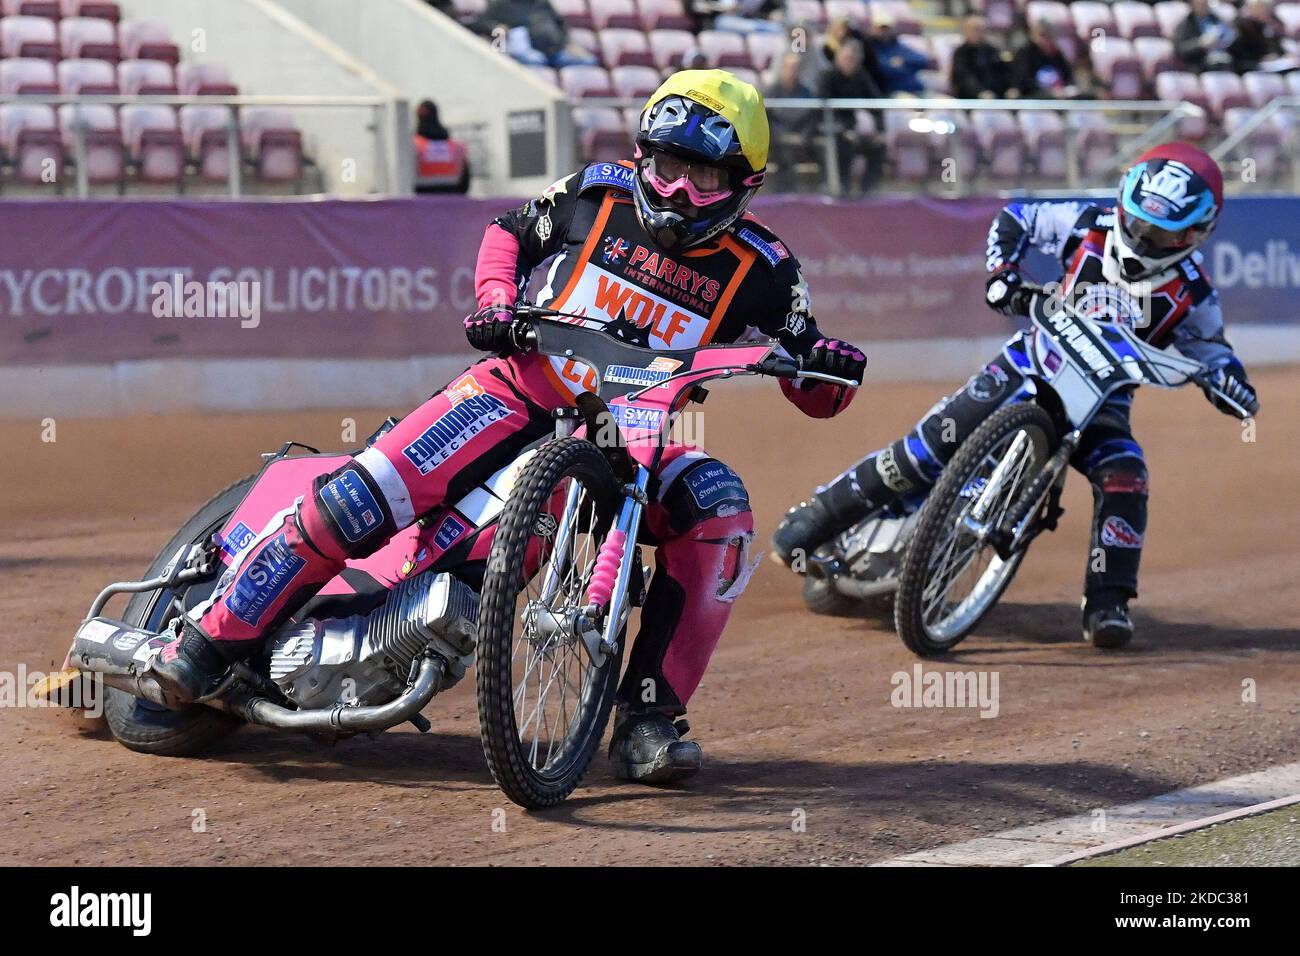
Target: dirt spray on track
<point>807,759</point>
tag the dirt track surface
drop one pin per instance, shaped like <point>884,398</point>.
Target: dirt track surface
<point>794,714</point>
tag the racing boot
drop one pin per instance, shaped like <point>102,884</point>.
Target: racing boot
<point>810,524</point>
<point>648,748</point>
<point>188,668</point>
<point>1106,622</point>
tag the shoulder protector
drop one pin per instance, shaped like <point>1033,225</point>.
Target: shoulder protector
<point>610,175</point>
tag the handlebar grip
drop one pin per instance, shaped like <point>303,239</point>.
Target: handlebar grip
<point>780,367</point>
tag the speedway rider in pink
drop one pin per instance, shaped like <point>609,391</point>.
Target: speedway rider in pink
<point>662,252</point>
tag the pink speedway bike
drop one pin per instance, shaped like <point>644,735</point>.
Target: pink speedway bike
<point>532,576</point>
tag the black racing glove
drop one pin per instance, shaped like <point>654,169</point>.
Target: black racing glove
<point>1000,290</point>
<point>1232,382</point>
<point>833,357</point>
<point>488,330</point>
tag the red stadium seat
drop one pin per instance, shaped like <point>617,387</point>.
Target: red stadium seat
<point>21,75</point>
<point>273,143</point>
<point>204,130</point>
<point>603,133</point>
<point>668,47</point>
<point>1263,87</point>
<point>91,8</point>
<point>1118,67</point>
<point>89,38</point>
<point>724,49</point>
<point>664,15</point>
<point>147,40</point>
<point>87,77</point>
<point>46,9</point>
<point>1094,143</point>
<point>805,12</point>
<point>585,81</point>
<point>1175,86</point>
<point>1169,13</point>
<point>954,139</point>
<point>153,142</point>
<point>204,79</point>
<point>635,82</point>
<point>140,77</point>
<point>30,139</point>
<point>1288,14</point>
<point>105,155</point>
<point>1044,133</point>
<point>32,37</point>
<point>1001,142</point>
<point>766,48</point>
<point>547,74</point>
<point>909,150</point>
<point>625,48</point>
<point>1092,19</point>
<point>1157,56</point>
<point>575,12</point>
<point>615,13</point>
<point>1263,146</point>
<point>1133,19</point>
<point>469,10</point>
<point>1223,91</point>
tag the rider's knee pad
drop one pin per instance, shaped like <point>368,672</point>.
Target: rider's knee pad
<point>347,513</point>
<point>1121,476</point>
<point>706,490</point>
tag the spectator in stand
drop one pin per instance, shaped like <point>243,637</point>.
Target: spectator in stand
<point>792,128</point>
<point>441,163</point>
<point>427,124</point>
<point>1258,44</point>
<point>848,79</point>
<point>899,62</point>
<point>535,34</point>
<point>738,16</point>
<point>1201,41</point>
<point>842,30</point>
<point>979,69</point>
<point>1039,70</point>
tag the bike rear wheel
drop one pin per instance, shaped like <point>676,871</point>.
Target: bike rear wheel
<point>949,578</point>
<point>543,704</point>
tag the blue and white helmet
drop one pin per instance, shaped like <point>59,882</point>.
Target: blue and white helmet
<point>1169,203</point>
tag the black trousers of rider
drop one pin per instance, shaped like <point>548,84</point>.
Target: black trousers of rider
<point>1108,456</point>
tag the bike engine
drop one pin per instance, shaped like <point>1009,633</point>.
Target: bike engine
<point>366,659</point>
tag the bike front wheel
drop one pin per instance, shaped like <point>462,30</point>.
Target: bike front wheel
<point>950,577</point>
<point>543,703</point>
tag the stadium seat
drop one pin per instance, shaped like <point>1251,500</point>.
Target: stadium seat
<point>1000,15</point>
<point>31,37</point>
<point>586,40</point>
<point>576,13</point>
<point>1133,19</point>
<point>724,49</point>
<point>909,150</point>
<point>1176,86</point>
<point>203,79</point>
<point>855,10</point>
<point>87,77</point>
<point>942,46</point>
<point>668,46</point>
<point>955,139</point>
<point>603,134</point>
<point>147,40</point>
<point>634,82</point>
<point>204,130</point>
<point>1156,55</point>
<point>89,38</point>
<point>1293,83</point>
<point>664,15</point>
<point>272,143</point>
<point>1288,14</point>
<point>29,138</point>
<point>585,81</point>
<point>1044,133</point>
<point>1094,143</point>
<point>1001,142</point>
<point>1169,13</point>
<point>621,47</point>
<point>153,142</point>
<point>468,11</point>
<point>1092,19</point>
<point>805,12</point>
<point>607,14</point>
<point>46,9</point>
<point>547,74</point>
<point>1263,87</point>
<point>766,48</point>
<point>1262,146</point>
<point>91,8</point>
<point>142,77</point>
<point>749,76</point>
<point>105,155</point>
<point>905,21</point>
<point>21,75</point>
<point>1118,67</point>
<point>1223,91</point>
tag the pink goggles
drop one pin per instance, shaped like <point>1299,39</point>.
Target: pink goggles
<point>704,184</point>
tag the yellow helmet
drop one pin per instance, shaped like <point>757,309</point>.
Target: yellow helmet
<point>713,118</point>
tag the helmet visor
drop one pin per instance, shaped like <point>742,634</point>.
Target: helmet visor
<point>1148,239</point>
<point>703,183</point>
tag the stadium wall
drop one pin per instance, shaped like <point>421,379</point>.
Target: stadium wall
<point>360,301</point>
<point>482,95</point>
<point>273,53</point>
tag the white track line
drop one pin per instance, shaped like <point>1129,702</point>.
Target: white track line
<point>1104,828</point>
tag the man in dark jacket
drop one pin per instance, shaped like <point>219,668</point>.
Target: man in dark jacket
<point>979,69</point>
<point>1040,70</point>
<point>848,79</point>
<point>1201,41</point>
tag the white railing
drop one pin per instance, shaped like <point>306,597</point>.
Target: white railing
<point>389,127</point>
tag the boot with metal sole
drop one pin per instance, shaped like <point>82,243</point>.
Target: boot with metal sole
<point>648,748</point>
<point>1107,626</point>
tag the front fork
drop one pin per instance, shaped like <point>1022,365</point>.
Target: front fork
<point>1013,532</point>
